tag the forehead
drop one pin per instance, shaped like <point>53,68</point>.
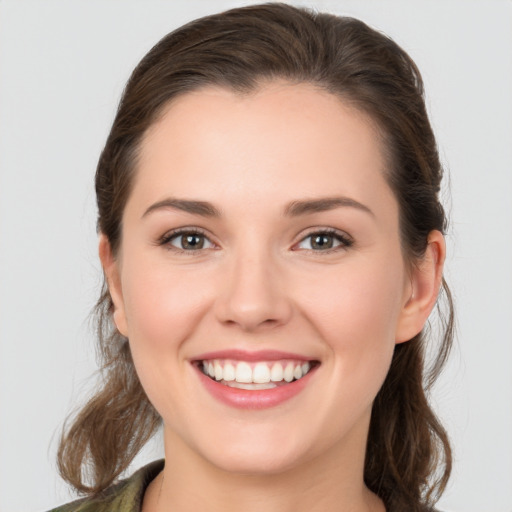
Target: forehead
<point>275,105</point>
<point>283,140</point>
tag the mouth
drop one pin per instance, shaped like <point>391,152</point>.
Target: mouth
<point>254,380</point>
<point>255,375</point>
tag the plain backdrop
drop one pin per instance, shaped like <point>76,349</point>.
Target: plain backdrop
<point>63,64</point>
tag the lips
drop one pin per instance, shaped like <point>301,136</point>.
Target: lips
<point>254,380</point>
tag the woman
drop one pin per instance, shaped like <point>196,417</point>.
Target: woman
<point>272,242</point>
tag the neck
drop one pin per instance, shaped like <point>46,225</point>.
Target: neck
<point>326,483</point>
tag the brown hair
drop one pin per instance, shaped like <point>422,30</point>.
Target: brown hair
<point>408,457</point>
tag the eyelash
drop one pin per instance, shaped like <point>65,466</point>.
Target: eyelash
<point>345,241</point>
<point>171,235</point>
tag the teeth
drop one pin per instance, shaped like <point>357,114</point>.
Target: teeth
<point>276,374</point>
<point>288,372</point>
<point>218,370</point>
<point>261,375</point>
<point>243,373</point>
<point>240,385</point>
<point>229,372</point>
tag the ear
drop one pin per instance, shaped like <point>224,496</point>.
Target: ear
<point>112,273</point>
<point>425,281</point>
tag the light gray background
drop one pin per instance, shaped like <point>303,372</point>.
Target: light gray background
<point>62,68</point>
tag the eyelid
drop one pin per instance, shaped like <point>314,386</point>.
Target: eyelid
<point>166,238</point>
<point>345,239</point>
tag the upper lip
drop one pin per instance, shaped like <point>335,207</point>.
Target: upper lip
<point>258,355</point>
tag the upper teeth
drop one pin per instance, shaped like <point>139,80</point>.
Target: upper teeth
<point>259,373</point>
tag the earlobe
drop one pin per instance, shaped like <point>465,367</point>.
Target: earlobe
<point>112,274</point>
<point>425,279</point>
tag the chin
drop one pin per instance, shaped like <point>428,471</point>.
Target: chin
<point>259,451</point>
<point>256,462</point>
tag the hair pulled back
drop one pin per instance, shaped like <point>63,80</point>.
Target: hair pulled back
<point>408,457</point>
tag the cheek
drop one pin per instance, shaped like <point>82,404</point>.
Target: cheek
<point>163,304</point>
<point>356,311</point>
<point>356,302</point>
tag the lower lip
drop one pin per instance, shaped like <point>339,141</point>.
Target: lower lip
<point>254,399</point>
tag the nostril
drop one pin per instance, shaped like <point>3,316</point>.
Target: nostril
<point>252,301</point>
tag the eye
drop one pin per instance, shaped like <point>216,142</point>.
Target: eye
<point>189,241</point>
<point>325,241</point>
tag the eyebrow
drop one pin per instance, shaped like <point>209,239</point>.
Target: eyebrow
<point>296,208</point>
<point>202,208</point>
<point>293,209</point>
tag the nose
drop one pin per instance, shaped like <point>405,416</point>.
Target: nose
<point>252,294</point>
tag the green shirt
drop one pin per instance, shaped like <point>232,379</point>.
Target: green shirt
<point>125,496</point>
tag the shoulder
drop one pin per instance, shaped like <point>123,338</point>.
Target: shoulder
<point>125,496</point>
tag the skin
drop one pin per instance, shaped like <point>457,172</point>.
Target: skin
<point>258,284</point>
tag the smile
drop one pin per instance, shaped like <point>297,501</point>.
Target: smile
<point>256,380</point>
<point>255,375</point>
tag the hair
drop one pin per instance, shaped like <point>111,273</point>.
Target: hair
<point>408,457</point>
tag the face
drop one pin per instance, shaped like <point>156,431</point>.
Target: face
<point>261,244</point>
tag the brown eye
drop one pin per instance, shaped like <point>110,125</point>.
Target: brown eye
<point>189,241</point>
<point>324,241</point>
<point>192,241</point>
